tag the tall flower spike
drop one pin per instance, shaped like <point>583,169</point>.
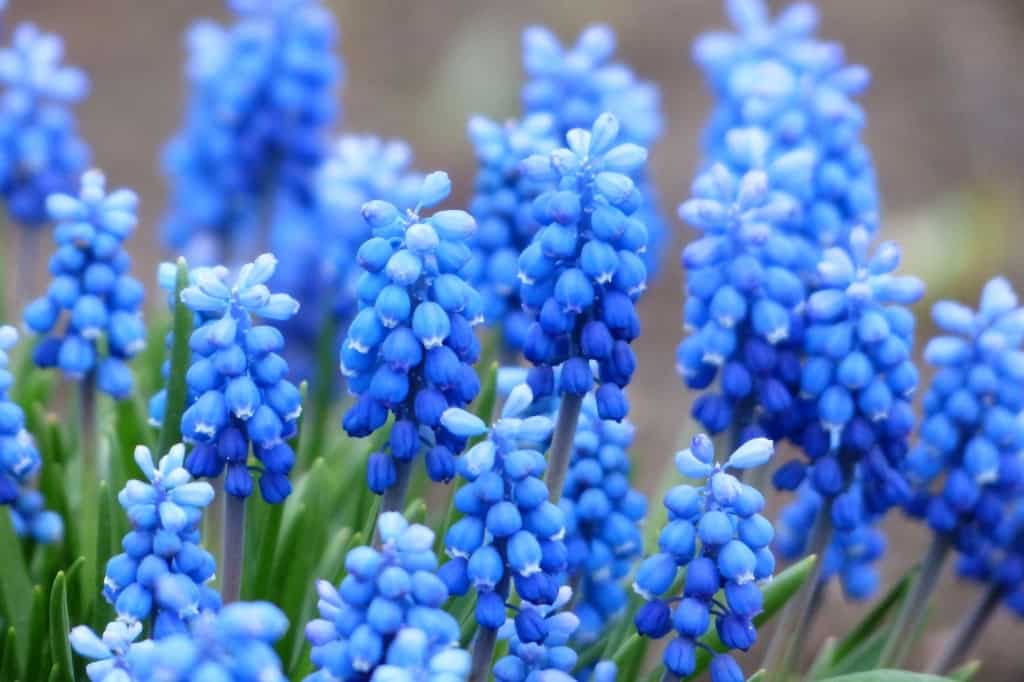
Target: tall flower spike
<point>503,208</point>
<point>510,532</point>
<point>92,296</point>
<point>967,459</point>
<point>20,461</point>
<point>602,515</point>
<point>718,534</point>
<point>234,645</point>
<point>744,285</point>
<point>39,141</point>
<point>239,397</point>
<point>409,350</point>
<point>261,104</point>
<point>582,273</point>
<point>386,619</point>
<point>776,76</point>
<point>318,239</point>
<point>575,85</point>
<point>161,577</point>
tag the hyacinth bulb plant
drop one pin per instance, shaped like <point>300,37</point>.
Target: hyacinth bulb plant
<point>364,437</point>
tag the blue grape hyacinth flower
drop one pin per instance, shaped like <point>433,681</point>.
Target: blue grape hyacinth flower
<point>410,349</point>
<point>503,207</point>
<point>239,397</point>
<point>716,531</point>
<point>775,75</point>
<point>510,532</point>
<point>41,151</point>
<point>386,619</point>
<point>161,578</point>
<point>966,463</point>
<point>582,273</point>
<point>574,85</point>
<point>999,559</point>
<point>91,296</point>
<point>318,239</point>
<point>261,104</point>
<point>744,285</point>
<point>538,640</point>
<point>603,515</point>
<point>235,644</point>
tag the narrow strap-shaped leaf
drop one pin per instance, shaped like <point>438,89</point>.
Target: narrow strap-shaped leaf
<point>15,584</point>
<point>630,656</point>
<point>966,672</point>
<point>759,676</point>
<point>60,626</point>
<point>170,431</point>
<point>313,434</point>
<point>888,676</point>
<point>130,430</point>
<point>416,511</point>
<point>9,656</point>
<point>776,594</point>
<point>39,658</point>
<point>873,620</point>
<point>259,583</point>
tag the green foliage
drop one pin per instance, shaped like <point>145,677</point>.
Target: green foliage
<point>887,676</point>
<point>170,432</point>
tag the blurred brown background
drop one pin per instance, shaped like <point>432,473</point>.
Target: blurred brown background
<point>946,125</point>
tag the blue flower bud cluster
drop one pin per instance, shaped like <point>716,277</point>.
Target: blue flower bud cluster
<point>20,461</point>
<point>718,534</point>
<point>503,208</point>
<point>385,620</point>
<point>574,85</point>
<point>966,463</point>
<point>744,285</point>
<point>510,532</point>
<point>860,376</point>
<point>318,241</point>
<point>161,576</point>
<point>41,151</point>
<point>261,103</point>
<point>238,393</point>
<point>409,350</point>
<point>538,640</point>
<point>91,283</point>
<point>603,515</point>
<point>1000,559</point>
<point>856,545</point>
<point>774,74</point>
<point>235,644</point>
<point>582,273</point>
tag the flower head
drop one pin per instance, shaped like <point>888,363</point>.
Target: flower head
<point>718,533</point>
<point>386,617</point>
<point>409,350</point>
<point>92,296</point>
<point>42,150</point>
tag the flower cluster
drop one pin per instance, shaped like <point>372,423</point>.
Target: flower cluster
<point>163,572</point>
<point>602,515</point>
<point>385,619</point>
<point>41,152</point>
<point>318,242</point>
<point>744,289</point>
<point>91,282</point>
<point>1000,559</point>
<point>503,208</point>
<point>776,76</point>
<point>582,273</point>
<point>718,533</point>
<point>238,393</point>
<point>262,99</point>
<point>967,459</point>
<point>510,531</point>
<point>235,644</point>
<point>538,643</point>
<point>575,85</point>
<point>410,348</point>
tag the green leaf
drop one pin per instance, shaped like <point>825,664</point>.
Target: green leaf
<point>15,585</point>
<point>130,430</point>
<point>9,656</point>
<point>871,622</point>
<point>38,654</point>
<point>888,676</point>
<point>60,626</point>
<point>759,676</point>
<point>776,594</point>
<point>416,511</point>
<point>170,431</point>
<point>966,672</point>
<point>314,430</point>
<point>630,656</point>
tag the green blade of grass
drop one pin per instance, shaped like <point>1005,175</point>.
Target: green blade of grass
<point>170,430</point>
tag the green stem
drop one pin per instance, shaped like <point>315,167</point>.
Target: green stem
<point>904,629</point>
<point>561,444</point>
<point>232,543</point>
<point>967,632</point>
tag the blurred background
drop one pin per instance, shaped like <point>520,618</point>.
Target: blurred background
<point>946,125</point>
